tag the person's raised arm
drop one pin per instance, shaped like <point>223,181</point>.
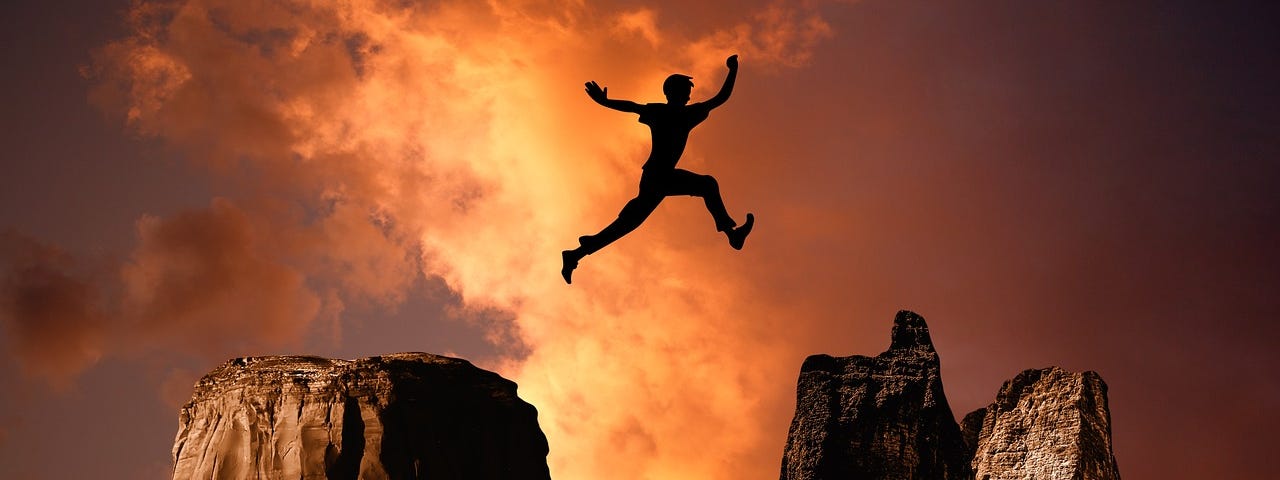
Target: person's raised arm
<point>601,96</point>
<point>727,89</point>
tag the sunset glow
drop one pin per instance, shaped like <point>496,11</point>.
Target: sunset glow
<point>1016,174</point>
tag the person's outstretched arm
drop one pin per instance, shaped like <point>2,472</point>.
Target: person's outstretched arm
<point>727,89</point>
<point>601,96</point>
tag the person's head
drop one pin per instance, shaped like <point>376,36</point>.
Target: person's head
<point>677,88</point>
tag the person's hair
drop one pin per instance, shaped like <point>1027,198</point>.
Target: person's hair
<point>677,83</point>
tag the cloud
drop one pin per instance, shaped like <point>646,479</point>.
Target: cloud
<point>202,278</point>
<point>360,145</point>
<point>937,162</point>
<point>50,311</point>
<point>778,35</point>
<point>642,22</point>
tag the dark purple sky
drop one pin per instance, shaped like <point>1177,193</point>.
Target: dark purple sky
<point>1084,184</point>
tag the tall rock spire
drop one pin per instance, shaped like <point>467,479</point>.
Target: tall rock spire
<point>886,418</point>
<point>882,417</point>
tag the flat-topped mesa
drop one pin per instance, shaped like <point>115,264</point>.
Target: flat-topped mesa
<point>406,415</point>
<point>882,417</point>
<point>1045,423</point>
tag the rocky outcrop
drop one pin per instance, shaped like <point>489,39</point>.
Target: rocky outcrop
<point>1045,423</point>
<point>402,416</point>
<point>886,418</point>
<point>882,417</point>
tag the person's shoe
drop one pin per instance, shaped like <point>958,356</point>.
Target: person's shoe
<point>738,235</point>
<point>570,263</point>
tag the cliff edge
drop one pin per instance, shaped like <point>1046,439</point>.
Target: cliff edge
<point>401,416</point>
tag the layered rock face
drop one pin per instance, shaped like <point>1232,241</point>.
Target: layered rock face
<point>882,417</point>
<point>402,416</point>
<point>886,418</point>
<point>1045,423</point>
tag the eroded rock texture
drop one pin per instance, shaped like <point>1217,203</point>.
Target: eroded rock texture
<point>886,418</point>
<point>1045,424</point>
<point>882,417</point>
<point>402,416</point>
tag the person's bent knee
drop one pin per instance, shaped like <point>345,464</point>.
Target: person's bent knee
<point>709,183</point>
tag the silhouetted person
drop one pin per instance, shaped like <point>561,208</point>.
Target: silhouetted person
<point>670,124</point>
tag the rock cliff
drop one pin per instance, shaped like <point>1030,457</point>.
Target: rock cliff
<point>402,416</point>
<point>882,417</point>
<point>886,417</point>
<point>1045,423</point>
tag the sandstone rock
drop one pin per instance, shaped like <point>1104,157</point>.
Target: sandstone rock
<point>971,426</point>
<point>402,416</point>
<point>1045,424</point>
<point>882,417</point>
<point>886,418</point>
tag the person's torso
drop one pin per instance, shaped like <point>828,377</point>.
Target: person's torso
<point>669,126</point>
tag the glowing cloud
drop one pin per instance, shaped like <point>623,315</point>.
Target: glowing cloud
<point>366,142</point>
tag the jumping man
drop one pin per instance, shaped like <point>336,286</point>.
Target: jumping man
<point>670,124</point>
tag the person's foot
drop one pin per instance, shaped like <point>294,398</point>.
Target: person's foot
<point>570,258</point>
<point>738,235</point>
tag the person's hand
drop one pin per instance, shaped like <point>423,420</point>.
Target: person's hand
<point>596,93</point>
<point>732,62</point>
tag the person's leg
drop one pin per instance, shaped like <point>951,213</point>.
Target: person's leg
<point>632,215</point>
<point>684,182</point>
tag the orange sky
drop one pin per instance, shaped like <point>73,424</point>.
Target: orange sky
<point>1082,186</point>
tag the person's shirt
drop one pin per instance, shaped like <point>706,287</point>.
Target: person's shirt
<point>670,126</point>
